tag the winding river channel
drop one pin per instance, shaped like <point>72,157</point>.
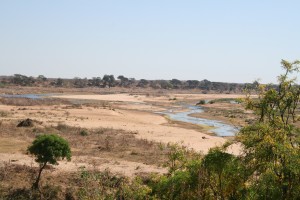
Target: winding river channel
<point>219,128</point>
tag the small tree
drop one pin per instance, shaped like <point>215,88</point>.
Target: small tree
<point>108,80</point>
<point>48,149</point>
<point>143,83</point>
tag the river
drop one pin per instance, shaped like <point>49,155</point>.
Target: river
<point>28,96</point>
<point>219,128</point>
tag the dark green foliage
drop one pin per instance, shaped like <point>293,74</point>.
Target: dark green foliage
<point>48,149</point>
<point>58,82</point>
<point>143,83</point>
<point>212,102</point>
<point>225,174</point>
<point>80,82</point>
<point>180,184</point>
<point>176,83</point>
<point>201,102</point>
<point>125,82</point>
<point>41,78</point>
<point>94,82</point>
<point>108,80</point>
<point>83,133</point>
<point>23,80</point>
<point>191,84</point>
<point>216,160</point>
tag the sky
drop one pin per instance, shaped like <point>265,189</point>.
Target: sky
<point>229,41</point>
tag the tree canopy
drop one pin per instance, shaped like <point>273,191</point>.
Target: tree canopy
<point>49,148</point>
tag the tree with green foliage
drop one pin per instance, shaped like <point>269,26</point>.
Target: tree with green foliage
<point>41,78</point>
<point>23,80</point>
<point>272,144</point>
<point>192,84</point>
<point>59,82</point>
<point>124,82</point>
<point>176,83</point>
<point>224,175</point>
<point>48,149</point>
<point>94,82</point>
<point>217,175</point>
<point>182,181</point>
<point>142,83</point>
<point>108,80</point>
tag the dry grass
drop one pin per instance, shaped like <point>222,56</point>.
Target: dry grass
<point>4,113</point>
<point>16,182</point>
<point>101,142</point>
<point>12,145</point>
<point>112,143</point>
<point>32,102</point>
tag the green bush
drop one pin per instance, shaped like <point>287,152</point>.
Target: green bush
<point>83,133</point>
<point>201,102</point>
<point>212,101</point>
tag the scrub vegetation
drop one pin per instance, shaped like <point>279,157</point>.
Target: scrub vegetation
<point>109,81</point>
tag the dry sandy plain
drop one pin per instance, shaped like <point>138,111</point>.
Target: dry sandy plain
<point>134,114</point>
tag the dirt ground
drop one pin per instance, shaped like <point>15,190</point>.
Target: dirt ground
<point>129,115</point>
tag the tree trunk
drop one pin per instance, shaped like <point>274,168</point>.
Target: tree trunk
<point>36,183</point>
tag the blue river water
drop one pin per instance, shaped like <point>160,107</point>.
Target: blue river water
<point>28,96</point>
<point>219,128</point>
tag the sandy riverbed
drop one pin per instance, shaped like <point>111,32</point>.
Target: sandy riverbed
<point>127,112</point>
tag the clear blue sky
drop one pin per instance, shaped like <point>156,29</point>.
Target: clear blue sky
<point>218,40</point>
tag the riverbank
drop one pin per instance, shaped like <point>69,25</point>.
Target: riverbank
<point>219,128</point>
<point>134,114</point>
<point>232,114</point>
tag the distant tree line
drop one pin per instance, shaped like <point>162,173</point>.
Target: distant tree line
<point>108,81</point>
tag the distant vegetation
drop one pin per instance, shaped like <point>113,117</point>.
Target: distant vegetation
<point>108,81</point>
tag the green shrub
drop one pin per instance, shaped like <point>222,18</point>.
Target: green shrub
<point>212,101</point>
<point>83,133</point>
<point>201,102</point>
